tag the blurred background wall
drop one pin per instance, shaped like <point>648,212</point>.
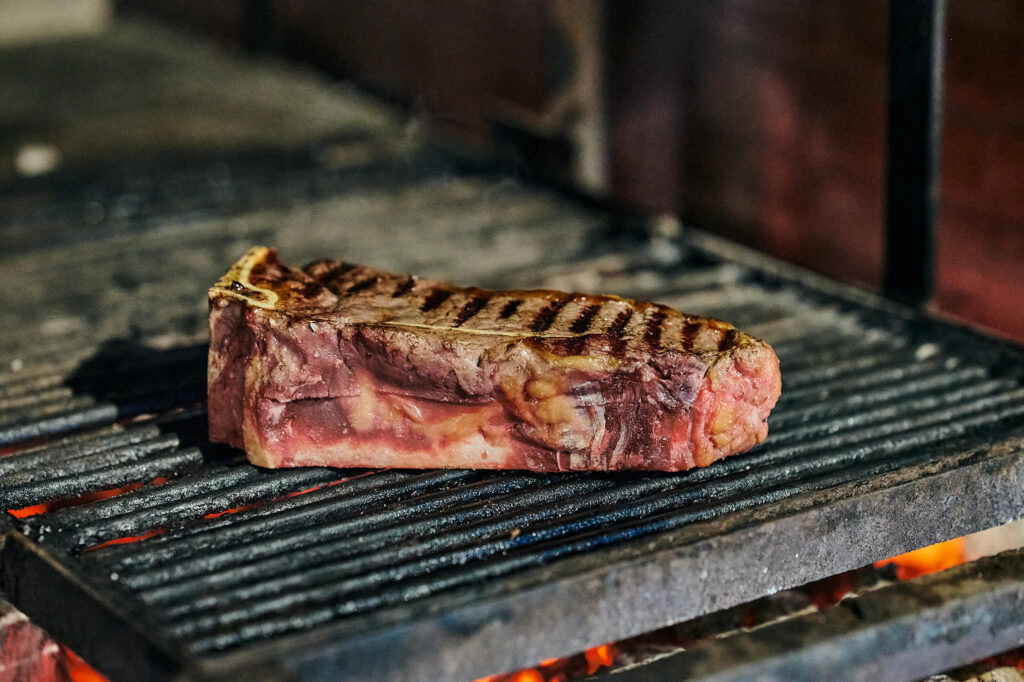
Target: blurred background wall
<point>761,121</point>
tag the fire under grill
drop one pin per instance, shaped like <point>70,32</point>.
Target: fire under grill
<point>157,554</point>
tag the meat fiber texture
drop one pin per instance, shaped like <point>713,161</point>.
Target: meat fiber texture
<point>347,366</point>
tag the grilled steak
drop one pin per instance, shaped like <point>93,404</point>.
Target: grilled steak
<point>343,365</point>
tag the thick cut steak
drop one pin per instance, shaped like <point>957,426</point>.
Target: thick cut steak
<point>343,365</point>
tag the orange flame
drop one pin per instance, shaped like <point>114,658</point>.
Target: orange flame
<point>560,669</point>
<point>54,505</point>
<point>599,657</point>
<point>927,560</point>
<point>1008,659</point>
<point>234,510</point>
<point>79,670</point>
<point>128,539</point>
<point>29,511</point>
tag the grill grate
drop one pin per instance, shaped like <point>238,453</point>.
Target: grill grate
<point>154,552</point>
<point>230,557</point>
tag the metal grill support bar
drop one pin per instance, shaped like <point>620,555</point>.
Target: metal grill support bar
<point>916,29</point>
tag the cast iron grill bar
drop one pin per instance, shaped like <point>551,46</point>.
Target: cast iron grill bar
<point>809,357</point>
<point>123,455</point>
<point>332,517</point>
<point>353,483</point>
<point>75,446</point>
<point>211,480</point>
<point>823,410</point>
<point>56,424</point>
<point>910,404</point>
<point>813,376</point>
<point>428,528</point>
<point>14,402</point>
<point>203,537</point>
<point>357,528</point>
<point>297,516</point>
<point>32,413</point>
<point>107,478</point>
<point>181,511</point>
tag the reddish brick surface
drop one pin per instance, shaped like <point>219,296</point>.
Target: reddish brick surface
<point>459,59</point>
<point>778,119</point>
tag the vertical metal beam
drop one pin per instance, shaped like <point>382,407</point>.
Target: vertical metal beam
<point>258,30</point>
<point>916,29</point>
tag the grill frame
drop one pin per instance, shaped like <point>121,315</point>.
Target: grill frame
<point>454,631</point>
<point>897,632</point>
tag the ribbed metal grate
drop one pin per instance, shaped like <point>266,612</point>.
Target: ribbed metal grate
<point>212,560</point>
<point>229,556</point>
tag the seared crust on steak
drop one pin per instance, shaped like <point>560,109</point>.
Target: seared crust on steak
<point>345,365</point>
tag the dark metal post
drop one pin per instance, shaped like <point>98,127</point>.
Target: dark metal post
<point>916,29</point>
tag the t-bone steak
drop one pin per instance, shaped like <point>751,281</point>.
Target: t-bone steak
<point>347,366</point>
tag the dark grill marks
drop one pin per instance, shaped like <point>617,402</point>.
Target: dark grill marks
<point>475,305</point>
<point>405,287</point>
<point>586,317</point>
<point>362,285</point>
<point>576,344</point>
<point>728,339</point>
<point>690,330</point>
<point>436,298</point>
<point>510,308</point>
<point>335,272</point>
<point>653,329</point>
<point>546,316</point>
<point>618,326</point>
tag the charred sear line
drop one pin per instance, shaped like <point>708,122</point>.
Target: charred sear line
<point>436,298</point>
<point>653,328</point>
<point>405,287</point>
<point>618,326</point>
<point>586,317</point>
<point>728,339</point>
<point>546,316</point>
<point>475,305</point>
<point>576,345</point>
<point>510,308</point>
<point>690,330</point>
<point>336,271</point>
<point>362,285</point>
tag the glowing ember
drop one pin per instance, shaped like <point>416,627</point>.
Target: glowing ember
<point>235,510</point>
<point>54,505</point>
<point>562,669</point>
<point>254,505</point>
<point>128,539</point>
<point>599,657</point>
<point>927,560</point>
<point>79,670</point>
<point>1009,659</point>
<point>29,511</point>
